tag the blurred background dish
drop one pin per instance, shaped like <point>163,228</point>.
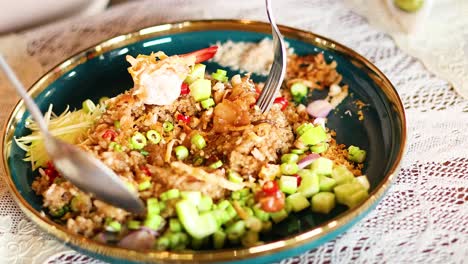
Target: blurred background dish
<point>21,14</point>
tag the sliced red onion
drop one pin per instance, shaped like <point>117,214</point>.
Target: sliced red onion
<point>320,121</point>
<point>138,240</point>
<point>307,160</point>
<point>319,108</point>
<point>106,237</point>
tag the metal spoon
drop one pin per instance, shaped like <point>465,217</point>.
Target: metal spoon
<point>79,167</point>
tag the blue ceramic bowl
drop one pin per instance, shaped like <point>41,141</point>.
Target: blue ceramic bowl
<point>102,71</point>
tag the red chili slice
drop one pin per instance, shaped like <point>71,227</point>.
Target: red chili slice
<point>184,89</point>
<point>282,101</point>
<point>145,170</point>
<point>270,187</point>
<point>183,118</point>
<point>299,180</point>
<point>109,134</point>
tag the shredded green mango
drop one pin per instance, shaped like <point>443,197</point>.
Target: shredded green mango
<point>68,126</point>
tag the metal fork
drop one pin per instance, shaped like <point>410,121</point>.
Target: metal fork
<point>278,67</point>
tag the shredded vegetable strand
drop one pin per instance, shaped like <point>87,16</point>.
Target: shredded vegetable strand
<point>67,126</point>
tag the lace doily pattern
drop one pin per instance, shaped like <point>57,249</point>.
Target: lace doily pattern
<point>424,216</point>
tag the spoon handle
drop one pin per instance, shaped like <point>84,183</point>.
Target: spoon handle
<point>33,109</point>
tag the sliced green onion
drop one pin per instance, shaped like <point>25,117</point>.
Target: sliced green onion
<point>279,216</point>
<point>235,177</point>
<point>299,90</point>
<point>236,230</point>
<point>207,103</point>
<point>260,214</point>
<point>103,99</point>
<point>216,164</point>
<point>289,158</point>
<point>303,128</point>
<point>153,222</point>
<point>235,195</point>
<point>138,141</point>
<point>175,225</point>
<point>115,146</point>
<point>181,152</point>
<point>117,124</point>
<point>198,141</point>
<point>133,224</point>
<point>144,153</point>
<point>144,185</point>
<point>220,75</point>
<point>152,206</point>
<point>250,238</point>
<point>266,226</point>
<point>170,194</point>
<point>298,151</point>
<point>219,238</point>
<point>153,136</point>
<point>88,106</point>
<point>289,168</point>
<point>163,243</point>
<point>168,126</point>
<point>113,226</point>
<point>197,161</point>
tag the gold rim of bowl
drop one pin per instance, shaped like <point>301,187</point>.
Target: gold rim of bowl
<point>214,255</point>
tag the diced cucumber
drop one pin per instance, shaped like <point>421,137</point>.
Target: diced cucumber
<point>279,216</point>
<point>153,222</point>
<point>236,230</point>
<point>356,154</point>
<point>298,202</point>
<point>198,226</point>
<point>350,194</point>
<point>197,72</point>
<point>363,181</point>
<point>323,202</point>
<point>152,207</point>
<point>260,214</point>
<point>193,196</point>
<point>313,136</point>
<point>326,183</point>
<point>310,184</point>
<point>219,238</point>
<point>288,184</point>
<point>319,148</point>
<point>174,225</point>
<point>200,89</point>
<point>205,204</point>
<point>342,175</point>
<point>322,166</point>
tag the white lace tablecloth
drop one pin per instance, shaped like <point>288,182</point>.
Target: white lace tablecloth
<point>422,219</point>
